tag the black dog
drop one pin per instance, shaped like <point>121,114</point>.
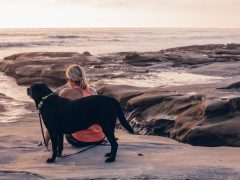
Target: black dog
<point>63,116</point>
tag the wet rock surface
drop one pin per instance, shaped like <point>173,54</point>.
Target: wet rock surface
<point>206,114</point>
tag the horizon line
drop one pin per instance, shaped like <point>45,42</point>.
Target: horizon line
<point>119,27</point>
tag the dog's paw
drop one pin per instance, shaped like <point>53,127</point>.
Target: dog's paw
<point>50,160</point>
<point>108,155</point>
<point>110,159</point>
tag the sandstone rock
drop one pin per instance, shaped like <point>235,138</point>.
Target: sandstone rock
<point>235,85</point>
<point>86,53</point>
<point>122,93</point>
<point>140,60</point>
<point>225,133</point>
<point>192,119</point>
<point>40,66</point>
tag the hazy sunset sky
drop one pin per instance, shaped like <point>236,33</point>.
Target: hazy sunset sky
<point>119,13</point>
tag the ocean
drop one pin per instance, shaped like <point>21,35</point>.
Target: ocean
<point>100,41</point>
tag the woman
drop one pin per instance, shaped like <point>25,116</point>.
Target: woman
<point>78,88</point>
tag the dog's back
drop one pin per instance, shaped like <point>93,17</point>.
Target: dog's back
<point>82,113</point>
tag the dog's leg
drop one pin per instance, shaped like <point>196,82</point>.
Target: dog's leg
<point>60,145</point>
<point>114,145</point>
<point>54,139</point>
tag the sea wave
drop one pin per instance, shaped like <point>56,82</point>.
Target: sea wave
<point>67,37</point>
<point>23,44</point>
<point>22,34</point>
<point>96,39</point>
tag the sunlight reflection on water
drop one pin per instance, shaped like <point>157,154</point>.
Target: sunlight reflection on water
<point>10,88</point>
<point>165,79</point>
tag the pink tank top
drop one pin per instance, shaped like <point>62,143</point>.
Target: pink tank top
<point>94,133</point>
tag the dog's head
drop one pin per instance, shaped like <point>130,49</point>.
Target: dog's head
<point>38,90</point>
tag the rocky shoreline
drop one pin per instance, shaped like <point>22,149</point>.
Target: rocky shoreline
<point>202,114</point>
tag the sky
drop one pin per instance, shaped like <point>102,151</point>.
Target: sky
<point>119,13</point>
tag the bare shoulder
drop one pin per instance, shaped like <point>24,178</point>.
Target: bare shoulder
<point>70,93</point>
<point>60,88</point>
<point>66,90</point>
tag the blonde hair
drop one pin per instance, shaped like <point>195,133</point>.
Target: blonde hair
<point>77,74</point>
